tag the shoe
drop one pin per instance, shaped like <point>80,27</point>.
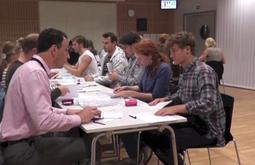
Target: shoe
<point>145,155</point>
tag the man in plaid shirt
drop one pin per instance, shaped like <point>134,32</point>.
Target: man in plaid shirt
<point>198,98</point>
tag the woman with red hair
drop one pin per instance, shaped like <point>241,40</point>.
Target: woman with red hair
<point>154,82</point>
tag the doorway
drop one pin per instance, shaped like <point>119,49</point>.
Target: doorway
<point>195,23</point>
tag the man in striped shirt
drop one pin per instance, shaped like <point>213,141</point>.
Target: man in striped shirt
<point>198,97</point>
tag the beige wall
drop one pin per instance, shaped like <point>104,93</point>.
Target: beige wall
<point>86,18</point>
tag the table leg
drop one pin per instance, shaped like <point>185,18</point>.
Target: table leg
<point>93,147</point>
<point>173,141</point>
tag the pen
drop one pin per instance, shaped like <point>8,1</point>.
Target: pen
<point>97,122</point>
<point>97,118</point>
<point>83,91</point>
<point>92,85</point>
<point>134,117</point>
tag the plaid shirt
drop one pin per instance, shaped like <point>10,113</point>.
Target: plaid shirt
<point>198,90</point>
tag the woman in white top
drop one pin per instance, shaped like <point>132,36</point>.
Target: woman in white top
<point>87,64</point>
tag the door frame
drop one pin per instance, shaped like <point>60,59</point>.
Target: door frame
<point>200,13</point>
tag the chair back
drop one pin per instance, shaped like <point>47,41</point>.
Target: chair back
<point>228,103</point>
<point>217,67</point>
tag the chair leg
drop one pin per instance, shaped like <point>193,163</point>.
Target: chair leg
<point>237,153</point>
<point>138,147</point>
<point>116,146</point>
<point>222,84</point>
<point>209,156</point>
<point>184,157</point>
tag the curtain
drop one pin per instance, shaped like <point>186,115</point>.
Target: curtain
<point>235,34</point>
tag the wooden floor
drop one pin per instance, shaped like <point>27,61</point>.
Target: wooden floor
<point>243,130</point>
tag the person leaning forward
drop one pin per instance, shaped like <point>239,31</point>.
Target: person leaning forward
<point>28,114</point>
<point>198,98</point>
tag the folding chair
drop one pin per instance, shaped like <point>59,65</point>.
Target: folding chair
<point>219,69</point>
<point>228,102</point>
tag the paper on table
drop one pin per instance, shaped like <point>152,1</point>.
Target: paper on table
<point>112,115</point>
<point>109,116</point>
<point>151,118</point>
<point>159,105</point>
<point>98,99</point>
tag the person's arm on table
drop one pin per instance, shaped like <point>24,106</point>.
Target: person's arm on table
<point>77,71</point>
<point>177,109</point>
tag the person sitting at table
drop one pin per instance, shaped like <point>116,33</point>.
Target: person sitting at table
<point>12,52</point>
<point>132,73</point>
<point>152,85</point>
<point>28,45</point>
<point>156,75</point>
<point>73,56</point>
<point>114,60</point>
<point>87,64</point>
<point>198,97</point>
<point>29,117</point>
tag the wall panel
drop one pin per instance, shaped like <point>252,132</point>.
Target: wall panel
<point>18,18</point>
<point>236,36</point>
<point>159,21</point>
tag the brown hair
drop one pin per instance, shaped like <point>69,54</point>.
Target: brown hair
<point>8,50</point>
<point>29,42</point>
<point>147,48</point>
<point>182,39</point>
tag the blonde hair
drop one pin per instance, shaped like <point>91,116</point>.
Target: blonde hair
<point>210,42</point>
<point>163,37</point>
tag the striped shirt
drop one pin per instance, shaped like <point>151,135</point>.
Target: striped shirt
<point>3,82</point>
<point>198,90</point>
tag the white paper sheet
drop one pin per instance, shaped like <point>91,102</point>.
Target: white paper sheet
<point>151,118</point>
<point>158,106</point>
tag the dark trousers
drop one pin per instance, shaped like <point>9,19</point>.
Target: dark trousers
<point>186,137</point>
<point>130,143</point>
<point>48,150</point>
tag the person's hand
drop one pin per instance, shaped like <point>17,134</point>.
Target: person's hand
<point>113,76</point>
<point>72,111</point>
<point>88,78</point>
<point>63,89</point>
<point>165,111</point>
<point>88,113</point>
<point>172,110</point>
<point>156,101</point>
<point>125,94</point>
<point>118,89</point>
